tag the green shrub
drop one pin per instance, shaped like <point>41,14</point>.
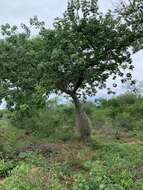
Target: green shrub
<point>5,167</point>
<point>23,178</point>
<point>122,100</point>
<point>124,120</point>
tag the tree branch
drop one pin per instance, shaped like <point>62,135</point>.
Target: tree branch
<point>78,84</point>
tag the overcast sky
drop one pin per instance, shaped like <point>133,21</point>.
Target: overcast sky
<point>17,11</point>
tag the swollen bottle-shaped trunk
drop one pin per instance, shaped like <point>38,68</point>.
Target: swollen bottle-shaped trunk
<point>83,123</point>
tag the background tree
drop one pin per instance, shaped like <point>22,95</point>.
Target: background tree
<point>19,84</point>
<point>77,57</point>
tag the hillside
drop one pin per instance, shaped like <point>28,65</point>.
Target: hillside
<point>42,152</point>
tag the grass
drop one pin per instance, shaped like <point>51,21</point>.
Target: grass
<point>34,160</point>
<point>99,164</point>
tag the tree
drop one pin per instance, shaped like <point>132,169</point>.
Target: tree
<point>132,13</point>
<point>76,57</point>
<point>82,51</point>
<point>19,84</point>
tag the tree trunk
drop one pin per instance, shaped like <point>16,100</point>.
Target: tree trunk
<point>83,123</point>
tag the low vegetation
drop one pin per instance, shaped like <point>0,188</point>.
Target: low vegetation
<point>43,152</point>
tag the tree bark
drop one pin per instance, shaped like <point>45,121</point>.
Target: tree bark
<point>83,123</point>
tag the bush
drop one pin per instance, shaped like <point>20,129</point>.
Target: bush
<point>121,101</point>
<point>55,121</point>
<point>23,177</point>
<point>124,120</point>
<point>5,167</point>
